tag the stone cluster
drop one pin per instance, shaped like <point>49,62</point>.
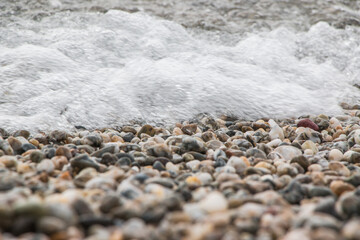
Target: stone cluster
<point>202,179</point>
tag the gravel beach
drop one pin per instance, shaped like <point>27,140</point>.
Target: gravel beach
<point>206,178</point>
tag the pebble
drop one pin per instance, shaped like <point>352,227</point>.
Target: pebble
<point>339,187</point>
<point>276,132</point>
<point>213,202</point>
<point>309,145</point>
<point>288,152</point>
<point>339,168</point>
<point>308,123</point>
<point>335,155</point>
<point>83,161</point>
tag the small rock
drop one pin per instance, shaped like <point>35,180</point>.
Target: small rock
<point>309,145</point>
<point>339,168</point>
<point>293,192</point>
<point>308,123</point>
<point>288,152</point>
<point>83,161</point>
<point>213,202</point>
<point>45,166</point>
<point>147,129</point>
<point>276,132</point>
<point>189,129</point>
<point>58,136</point>
<point>339,187</point>
<point>335,155</point>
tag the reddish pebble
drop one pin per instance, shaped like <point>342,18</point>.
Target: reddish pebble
<point>308,123</point>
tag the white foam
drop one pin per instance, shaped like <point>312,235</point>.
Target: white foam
<point>101,70</point>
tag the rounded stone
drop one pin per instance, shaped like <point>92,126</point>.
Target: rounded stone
<point>214,202</point>
<point>288,152</point>
<point>339,187</point>
<point>335,155</point>
<point>308,123</point>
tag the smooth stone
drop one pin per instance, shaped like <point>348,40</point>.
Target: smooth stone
<point>16,144</point>
<point>45,166</point>
<point>354,179</point>
<point>276,132</point>
<point>239,163</point>
<point>339,187</point>
<point>147,129</point>
<point>93,139</point>
<point>354,157</point>
<point>22,133</point>
<point>214,144</point>
<point>83,161</point>
<point>22,168</point>
<point>128,137</point>
<point>9,161</point>
<point>356,135</point>
<point>309,145</point>
<point>286,169</point>
<point>99,153</point>
<point>104,183</point>
<point>274,143</point>
<point>85,149</point>
<point>193,144</point>
<point>326,205</point>
<point>256,153</point>
<point>49,151</point>
<point>302,161</point>
<point>159,150</point>
<point>308,123</point>
<point>334,122</point>
<point>348,205</point>
<point>108,159</point>
<point>293,192</point>
<point>27,146</point>
<point>335,155</point>
<point>6,147</point>
<point>288,152</point>
<point>214,202</point>
<point>109,202</point>
<point>63,151</point>
<point>59,162</point>
<point>339,168</point>
<point>320,191</point>
<point>131,229</point>
<point>159,166</point>
<point>84,176</point>
<point>58,136</point>
<point>189,129</point>
<point>128,129</point>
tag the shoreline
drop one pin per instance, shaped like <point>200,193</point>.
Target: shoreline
<point>201,179</point>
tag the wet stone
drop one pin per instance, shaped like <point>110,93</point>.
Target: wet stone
<point>83,161</point>
<point>108,159</point>
<point>58,136</point>
<point>293,193</point>
<point>99,153</point>
<point>189,129</point>
<point>93,139</point>
<point>147,129</point>
<point>128,137</point>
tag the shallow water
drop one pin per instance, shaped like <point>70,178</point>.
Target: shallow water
<point>96,64</point>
